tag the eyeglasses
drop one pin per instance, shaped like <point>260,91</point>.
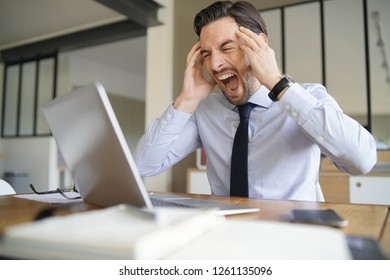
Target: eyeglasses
<point>58,190</point>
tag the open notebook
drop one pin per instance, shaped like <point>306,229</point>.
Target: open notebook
<point>94,148</point>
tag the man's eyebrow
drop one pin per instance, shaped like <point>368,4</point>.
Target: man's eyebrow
<point>202,51</point>
<point>227,42</point>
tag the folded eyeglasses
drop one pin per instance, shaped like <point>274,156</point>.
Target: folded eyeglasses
<point>60,191</point>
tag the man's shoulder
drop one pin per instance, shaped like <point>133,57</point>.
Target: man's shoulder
<point>215,99</point>
<point>215,103</point>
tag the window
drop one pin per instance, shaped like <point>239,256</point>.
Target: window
<point>27,85</point>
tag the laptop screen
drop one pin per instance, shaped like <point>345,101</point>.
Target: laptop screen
<point>94,148</point>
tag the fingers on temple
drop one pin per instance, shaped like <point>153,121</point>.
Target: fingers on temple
<point>252,39</point>
<point>193,54</point>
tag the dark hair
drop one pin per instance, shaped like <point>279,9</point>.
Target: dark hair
<point>244,13</point>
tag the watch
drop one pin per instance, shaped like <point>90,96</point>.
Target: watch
<point>286,81</point>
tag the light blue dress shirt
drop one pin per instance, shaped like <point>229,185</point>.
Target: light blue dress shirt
<point>286,139</point>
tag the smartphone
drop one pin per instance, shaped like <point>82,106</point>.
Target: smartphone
<point>365,248</point>
<point>322,217</point>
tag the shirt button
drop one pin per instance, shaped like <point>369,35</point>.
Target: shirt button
<point>287,106</point>
<point>320,139</point>
<point>294,114</point>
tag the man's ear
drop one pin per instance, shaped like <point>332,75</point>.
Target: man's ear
<point>265,38</point>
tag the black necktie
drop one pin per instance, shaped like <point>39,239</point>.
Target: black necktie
<point>239,162</point>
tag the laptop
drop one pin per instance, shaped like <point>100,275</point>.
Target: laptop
<point>96,153</point>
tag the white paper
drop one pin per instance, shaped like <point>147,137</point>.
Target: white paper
<point>51,198</point>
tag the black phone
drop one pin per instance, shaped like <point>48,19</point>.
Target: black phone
<point>318,216</point>
<point>365,248</point>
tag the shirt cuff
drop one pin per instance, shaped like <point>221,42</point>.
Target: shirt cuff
<point>173,121</point>
<point>298,102</point>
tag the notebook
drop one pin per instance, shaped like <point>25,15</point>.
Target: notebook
<point>96,153</point>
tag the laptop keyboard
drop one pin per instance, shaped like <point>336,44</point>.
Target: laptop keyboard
<point>165,203</point>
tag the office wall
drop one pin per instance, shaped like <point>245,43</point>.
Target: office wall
<point>159,79</point>
<point>37,157</point>
<point>131,117</point>
<point>83,71</point>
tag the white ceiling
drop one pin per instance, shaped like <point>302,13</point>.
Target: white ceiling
<point>27,21</point>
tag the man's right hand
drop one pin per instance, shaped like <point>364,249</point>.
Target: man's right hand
<point>195,86</point>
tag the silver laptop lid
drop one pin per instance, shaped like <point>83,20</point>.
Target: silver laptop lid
<point>94,148</point>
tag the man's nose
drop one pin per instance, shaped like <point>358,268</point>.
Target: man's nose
<point>217,61</point>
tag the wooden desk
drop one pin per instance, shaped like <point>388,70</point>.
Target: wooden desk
<point>364,220</point>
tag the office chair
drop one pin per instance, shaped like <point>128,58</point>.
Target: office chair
<point>5,188</point>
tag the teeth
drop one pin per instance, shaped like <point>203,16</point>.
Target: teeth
<point>225,76</point>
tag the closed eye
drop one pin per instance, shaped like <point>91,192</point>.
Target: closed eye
<point>227,49</point>
<point>229,46</point>
<point>204,54</point>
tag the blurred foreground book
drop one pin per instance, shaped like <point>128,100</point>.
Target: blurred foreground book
<point>119,232</point>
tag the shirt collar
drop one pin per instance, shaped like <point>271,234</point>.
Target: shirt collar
<point>260,98</point>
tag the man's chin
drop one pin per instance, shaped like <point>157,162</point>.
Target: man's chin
<point>235,100</point>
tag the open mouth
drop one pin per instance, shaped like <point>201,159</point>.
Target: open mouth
<point>230,81</point>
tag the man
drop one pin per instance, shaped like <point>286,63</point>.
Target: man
<point>290,124</point>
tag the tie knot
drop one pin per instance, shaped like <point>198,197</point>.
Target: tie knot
<point>245,109</point>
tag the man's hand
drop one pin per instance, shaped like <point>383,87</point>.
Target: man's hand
<point>261,57</point>
<point>195,86</point>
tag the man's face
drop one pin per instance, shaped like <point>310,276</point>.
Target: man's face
<point>226,62</point>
